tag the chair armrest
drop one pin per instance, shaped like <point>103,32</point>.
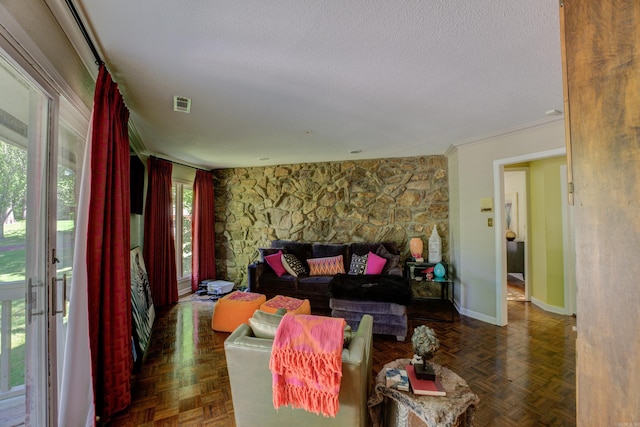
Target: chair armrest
<point>365,327</point>
<point>254,271</point>
<point>359,347</point>
<point>243,340</point>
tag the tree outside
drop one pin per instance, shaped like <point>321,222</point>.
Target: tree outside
<point>13,183</point>
<point>187,211</point>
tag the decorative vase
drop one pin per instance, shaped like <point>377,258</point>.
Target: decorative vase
<point>439,270</point>
<point>435,246</point>
<point>416,247</point>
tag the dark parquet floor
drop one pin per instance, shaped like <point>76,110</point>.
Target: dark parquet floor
<point>524,373</point>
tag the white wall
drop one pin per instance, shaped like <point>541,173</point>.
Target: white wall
<point>472,240</point>
<point>31,26</point>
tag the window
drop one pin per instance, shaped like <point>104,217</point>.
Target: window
<point>182,199</point>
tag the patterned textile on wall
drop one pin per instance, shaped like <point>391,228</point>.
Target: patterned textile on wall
<point>142,309</point>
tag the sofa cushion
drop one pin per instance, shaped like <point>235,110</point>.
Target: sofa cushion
<point>362,248</point>
<point>375,264</point>
<point>293,265</point>
<point>316,282</point>
<point>358,264</point>
<point>393,261</point>
<point>326,266</point>
<point>301,250</point>
<point>323,250</point>
<point>271,285</point>
<point>379,288</point>
<point>264,252</point>
<point>275,262</point>
<point>370,307</point>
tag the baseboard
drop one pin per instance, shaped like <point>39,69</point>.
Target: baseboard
<point>548,307</point>
<point>184,291</point>
<point>477,316</point>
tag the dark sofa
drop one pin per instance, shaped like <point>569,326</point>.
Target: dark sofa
<point>317,289</point>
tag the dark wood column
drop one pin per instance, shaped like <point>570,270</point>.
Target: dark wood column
<point>602,87</point>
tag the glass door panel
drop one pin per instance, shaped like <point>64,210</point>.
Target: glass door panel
<point>66,192</point>
<point>24,111</point>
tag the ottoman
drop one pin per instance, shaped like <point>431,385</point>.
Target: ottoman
<point>388,318</point>
<point>292,305</point>
<point>235,309</point>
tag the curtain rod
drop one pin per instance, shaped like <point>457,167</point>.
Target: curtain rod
<point>182,164</point>
<point>84,32</point>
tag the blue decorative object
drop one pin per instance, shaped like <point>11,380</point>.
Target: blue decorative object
<point>439,270</point>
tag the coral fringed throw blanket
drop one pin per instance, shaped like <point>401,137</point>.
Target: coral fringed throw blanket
<point>306,363</point>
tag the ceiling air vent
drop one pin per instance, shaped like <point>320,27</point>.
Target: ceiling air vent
<point>181,104</point>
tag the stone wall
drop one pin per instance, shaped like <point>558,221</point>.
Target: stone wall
<point>365,200</point>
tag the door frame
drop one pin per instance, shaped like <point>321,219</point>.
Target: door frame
<point>500,223</point>
<point>569,246</point>
<point>17,47</point>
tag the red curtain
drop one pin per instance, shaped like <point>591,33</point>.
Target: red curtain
<point>108,241</point>
<point>159,246</point>
<point>203,262</point>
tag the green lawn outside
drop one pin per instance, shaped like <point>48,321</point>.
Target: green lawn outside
<point>12,269</point>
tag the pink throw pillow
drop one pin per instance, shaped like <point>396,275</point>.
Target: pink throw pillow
<point>375,264</point>
<point>275,262</point>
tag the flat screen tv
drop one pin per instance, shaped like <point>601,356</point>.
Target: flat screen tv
<point>136,183</point>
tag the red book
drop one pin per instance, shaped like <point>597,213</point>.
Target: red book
<point>424,387</point>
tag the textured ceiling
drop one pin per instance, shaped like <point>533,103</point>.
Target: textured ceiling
<point>305,81</point>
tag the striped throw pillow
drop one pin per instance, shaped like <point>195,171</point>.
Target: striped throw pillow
<point>327,266</point>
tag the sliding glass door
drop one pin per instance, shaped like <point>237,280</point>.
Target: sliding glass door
<point>66,165</point>
<point>41,150</point>
<point>24,141</point>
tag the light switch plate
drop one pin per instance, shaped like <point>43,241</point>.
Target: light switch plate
<point>490,222</point>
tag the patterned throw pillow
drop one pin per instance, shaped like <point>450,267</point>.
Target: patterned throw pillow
<point>327,266</point>
<point>293,265</point>
<point>358,264</point>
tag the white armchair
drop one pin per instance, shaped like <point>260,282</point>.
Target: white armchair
<point>250,377</point>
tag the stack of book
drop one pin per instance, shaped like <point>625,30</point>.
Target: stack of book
<point>398,379</point>
<point>424,387</point>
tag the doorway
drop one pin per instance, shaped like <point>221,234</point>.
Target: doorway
<point>516,218</point>
<point>501,242</point>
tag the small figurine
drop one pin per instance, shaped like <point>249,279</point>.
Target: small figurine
<point>425,344</point>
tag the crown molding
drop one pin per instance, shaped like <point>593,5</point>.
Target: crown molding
<point>60,11</point>
<point>512,131</point>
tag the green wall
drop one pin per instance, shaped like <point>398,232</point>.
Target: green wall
<point>545,213</point>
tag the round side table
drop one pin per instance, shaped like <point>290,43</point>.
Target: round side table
<point>391,407</point>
